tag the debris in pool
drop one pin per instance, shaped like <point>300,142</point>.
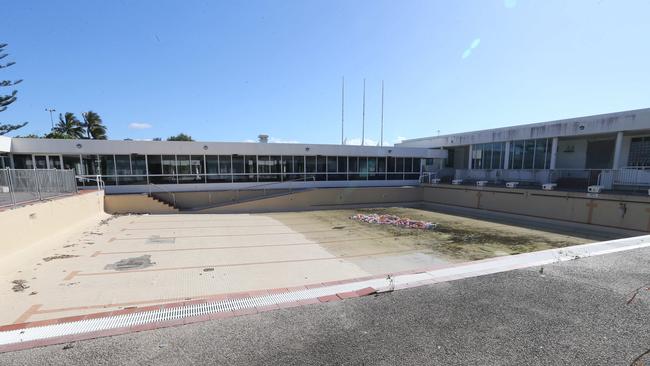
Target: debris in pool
<point>19,285</point>
<point>59,256</point>
<point>394,221</point>
<point>143,261</point>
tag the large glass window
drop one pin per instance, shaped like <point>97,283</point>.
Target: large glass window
<point>298,164</point>
<point>311,164</point>
<point>263,164</point>
<point>196,164</point>
<point>529,154</point>
<point>169,164</point>
<point>123,164</point>
<point>183,164</point>
<point>23,162</point>
<point>517,158</point>
<point>212,164</point>
<point>321,164</point>
<point>107,165</point>
<point>353,164</point>
<point>251,164</point>
<point>138,164</point>
<point>332,164</point>
<point>238,165</point>
<point>639,151</point>
<point>540,153</point>
<point>72,162</point>
<point>342,162</point>
<point>154,163</point>
<point>224,164</point>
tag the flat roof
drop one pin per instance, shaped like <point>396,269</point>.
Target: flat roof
<point>82,146</point>
<point>632,120</point>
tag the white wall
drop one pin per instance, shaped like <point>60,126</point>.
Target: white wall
<point>571,160</point>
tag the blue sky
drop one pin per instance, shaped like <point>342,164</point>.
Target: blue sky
<point>228,71</point>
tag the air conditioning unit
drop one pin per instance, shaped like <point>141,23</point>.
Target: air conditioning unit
<point>435,181</point>
<point>481,183</point>
<point>457,181</point>
<point>595,189</point>
<point>4,189</point>
<point>549,186</point>
<point>512,184</point>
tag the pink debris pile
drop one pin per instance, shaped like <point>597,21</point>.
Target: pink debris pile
<point>394,220</point>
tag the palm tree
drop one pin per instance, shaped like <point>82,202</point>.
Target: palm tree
<point>68,127</point>
<point>94,126</point>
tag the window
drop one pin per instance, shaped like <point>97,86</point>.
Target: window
<point>353,164</point>
<point>332,164</point>
<point>540,153</point>
<point>138,164</point>
<point>298,164</point>
<point>169,164</point>
<point>238,166</point>
<point>154,163</point>
<point>224,164</point>
<point>123,164</point>
<point>196,164</point>
<point>342,162</point>
<point>106,165</point>
<point>23,162</point>
<point>183,164</point>
<point>517,158</point>
<point>639,151</point>
<point>321,163</point>
<point>212,164</point>
<point>311,164</point>
<point>72,162</point>
<point>251,164</point>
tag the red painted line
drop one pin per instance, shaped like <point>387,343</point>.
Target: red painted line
<point>96,254</point>
<point>71,275</point>
<point>28,313</point>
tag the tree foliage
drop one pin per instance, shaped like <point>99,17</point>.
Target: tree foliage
<point>68,127</point>
<point>94,126</point>
<point>180,137</point>
<point>7,99</point>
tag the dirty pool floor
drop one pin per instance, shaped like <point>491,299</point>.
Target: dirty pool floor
<point>140,260</point>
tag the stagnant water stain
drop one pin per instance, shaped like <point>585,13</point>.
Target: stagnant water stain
<point>140,262</point>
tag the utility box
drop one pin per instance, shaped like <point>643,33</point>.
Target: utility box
<point>549,186</point>
<point>457,181</point>
<point>4,189</point>
<point>435,181</point>
<point>595,189</point>
<point>512,184</point>
<point>481,183</point>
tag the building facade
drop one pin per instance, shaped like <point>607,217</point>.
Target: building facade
<point>609,149</point>
<point>131,166</point>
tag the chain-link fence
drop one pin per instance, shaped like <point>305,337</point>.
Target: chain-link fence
<point>25,185</point>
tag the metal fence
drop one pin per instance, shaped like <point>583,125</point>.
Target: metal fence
<point>26,185</point>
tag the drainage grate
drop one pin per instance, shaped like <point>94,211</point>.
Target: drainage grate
<point>145,317</point>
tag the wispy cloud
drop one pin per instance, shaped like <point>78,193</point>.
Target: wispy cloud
<point>471,48</point>
<point>139,126</point>
<point>278,140</point>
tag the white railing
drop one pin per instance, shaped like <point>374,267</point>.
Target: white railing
<point>567,178</point>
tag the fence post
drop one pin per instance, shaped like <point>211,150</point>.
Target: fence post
<point>38,184</point>
<point>11,188</point>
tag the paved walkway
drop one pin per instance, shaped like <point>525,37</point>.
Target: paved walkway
<point>590,311</point>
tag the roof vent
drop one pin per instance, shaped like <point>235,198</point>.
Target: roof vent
<point>263,139</point>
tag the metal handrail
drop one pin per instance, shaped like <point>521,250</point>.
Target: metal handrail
<point>272,183</point>
<point>101,185</point>
<point>164,190</point>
